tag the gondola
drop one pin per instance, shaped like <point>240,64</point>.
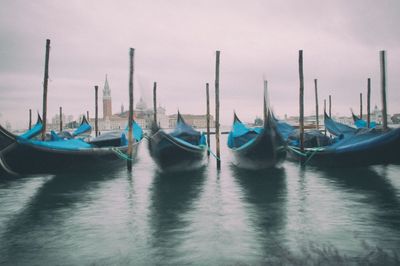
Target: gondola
<point>337,129</point>
<point>352,147</point>
<point>35,130</point>
<point>183,149</point>
<point>113,138</point>
<point>20,156</point>
<point>84,130</point>
<point>29,134</point>
<point>312,138</point>
<point>361,123</point>
<point>256,148</point>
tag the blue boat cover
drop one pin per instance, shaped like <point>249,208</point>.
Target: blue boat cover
<point>124,139</point>
<point>83,128</point>
<point>361,123</point>
<point>338,129</point>
<point>284,129</point>
<point>240,134</point>
<point>364,139</point>
<point>137,131</point>
<point>33,131</point>
<point>312,138</point>
<point>183,128</point>
<point>54,136</point>
<point>203,139</point>
<point>68,144</point>
<point>187,133</point>
<point>202,143</point>
<point>117,138</point>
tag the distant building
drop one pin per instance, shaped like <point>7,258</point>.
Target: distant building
<point>107,103</point>
<point>197,121</point>
<point>376,115</point>
<point>310,121</point>
<point>142,115</point>
<point>55,122</point>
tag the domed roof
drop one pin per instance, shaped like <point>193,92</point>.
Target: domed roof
<point>160,110</point>
<point>141,105</point>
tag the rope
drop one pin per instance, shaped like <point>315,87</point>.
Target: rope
<point>309,154</point>
<point>312,155</point>
<point>178,143</point>
<point>212,153</point>
<point>121,154</point>
<point>297,151</point>
<point>183,147</point>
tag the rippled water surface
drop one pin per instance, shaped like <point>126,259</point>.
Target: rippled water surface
<point>291,215</point>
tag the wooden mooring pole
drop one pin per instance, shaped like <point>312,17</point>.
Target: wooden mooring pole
<point>96,110</point>
<point>208,117</point>
<point>301,103</point>
<point>265,101</point>
<point>368,102</point>
<point>30,119</point>
<point>324,115</point>
<point>383,88</point>
<point>217,143</point>
<point>316,103</point>
<point>61,120</point>
<point>130,118</point>
<point>330,106</point>
<point>155,102</point>
<point>361,106</point>
<point>45,83</point>
<point>87,116</point>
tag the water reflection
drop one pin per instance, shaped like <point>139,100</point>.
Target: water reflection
<point>45,213</point>
<point>173,197</point>
<point>377,190</point>
<point>265,197</point>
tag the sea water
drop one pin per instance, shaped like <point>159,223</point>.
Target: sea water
<point>290,215</point>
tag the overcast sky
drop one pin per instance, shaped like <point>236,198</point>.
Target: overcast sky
<point>175,43</point>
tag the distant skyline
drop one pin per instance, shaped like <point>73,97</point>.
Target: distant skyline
<point>175,43</point>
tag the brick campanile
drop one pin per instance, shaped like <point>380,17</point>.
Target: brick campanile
<point>107,107</point>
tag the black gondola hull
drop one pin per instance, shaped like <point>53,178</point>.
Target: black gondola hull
<point>261,149</point>
<point>172,155</point>
<point>264,152</point>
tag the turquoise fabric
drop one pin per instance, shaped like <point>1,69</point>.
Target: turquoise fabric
<point>364,140</point>
<point>338,129</point>
<point>361,123</point>
<point>203,139</point>
<point>33,131</point>
<point>69,144</point>
<point>284,129</point>
<point>239,129</point>
<point>54,136</point>
<point>240,135</point>
<point>124,140</point>
<point>137,131</point>
<point>82,129</point>
<point>187,134</point>
<point>183,128</point>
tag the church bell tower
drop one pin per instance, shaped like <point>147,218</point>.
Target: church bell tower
<point>107,110</point>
